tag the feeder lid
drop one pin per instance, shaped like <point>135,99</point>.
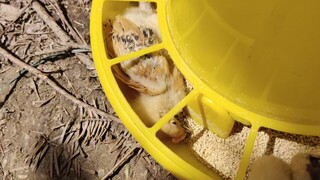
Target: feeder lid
<point>261,55</point>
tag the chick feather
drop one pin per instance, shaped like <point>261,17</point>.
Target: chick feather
<point>150,72</point>
<point>144,16</point>
<point>303,166</point>
<point>270,168</point>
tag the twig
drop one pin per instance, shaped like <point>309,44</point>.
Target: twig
<point>13,21</point>
<point>51,56</point>
<point>69,137</point>
<point>74,34</point>
<point>120,162</point>
<point>34,86</point>
<point>61,34</point>
<point>98,129</point>
<point>64,37</point>
<point>118,144</point>
<point>64,165</point>
<point>56,162</point>
<point>43,102</point>
<point>84,126</point>
<point>77,167</point>
<point>40,156</point>
<point>5,69</point>
<point>37,63</point>
<point>65,50</point>
<point>63,92</point>
<point>64,132</point>
<point>51,164</point>
<point>79,34</point>
<point>36,151</point>
<point>69,82</point>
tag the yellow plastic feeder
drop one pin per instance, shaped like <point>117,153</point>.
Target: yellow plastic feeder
<point>257,62</point>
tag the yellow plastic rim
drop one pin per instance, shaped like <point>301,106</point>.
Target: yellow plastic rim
<point>173,157</point>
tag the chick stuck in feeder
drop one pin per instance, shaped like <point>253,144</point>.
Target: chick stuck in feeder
<point>159,83</point>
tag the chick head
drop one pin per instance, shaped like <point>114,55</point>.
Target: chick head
<point>306,166</point>
<point>174,129</point>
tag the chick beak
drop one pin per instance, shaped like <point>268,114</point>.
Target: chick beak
<point>179,138</point>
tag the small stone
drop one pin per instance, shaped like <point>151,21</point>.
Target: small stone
<point>101,173</point>
<point>22,176</point>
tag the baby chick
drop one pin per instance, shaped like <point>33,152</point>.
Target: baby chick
<point>303,166</point>
<point>160,84</point>
<point>269,168</point>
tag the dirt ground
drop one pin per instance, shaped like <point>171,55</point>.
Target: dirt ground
<point>45,132</point>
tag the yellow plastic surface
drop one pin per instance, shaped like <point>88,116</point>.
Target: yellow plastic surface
<point>257,61</point>
<point>211,116</point>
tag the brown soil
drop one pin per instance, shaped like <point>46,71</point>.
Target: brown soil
<point>44,135</point>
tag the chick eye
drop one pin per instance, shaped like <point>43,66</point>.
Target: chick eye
<point>173,123</point>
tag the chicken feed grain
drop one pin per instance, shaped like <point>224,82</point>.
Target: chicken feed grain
<point>223,155</point>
